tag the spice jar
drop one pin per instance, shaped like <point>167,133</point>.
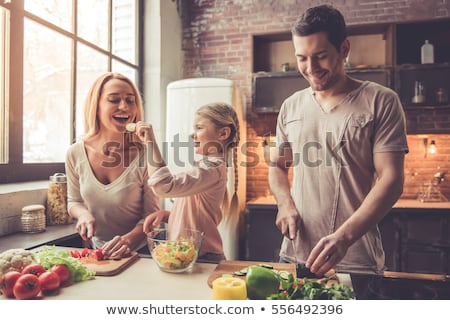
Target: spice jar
<point>33,218</point>
<point>57,200</point>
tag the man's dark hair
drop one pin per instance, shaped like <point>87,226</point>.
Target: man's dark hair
<point>324,18</point>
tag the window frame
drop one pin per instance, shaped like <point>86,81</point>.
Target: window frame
<point>15,170</point>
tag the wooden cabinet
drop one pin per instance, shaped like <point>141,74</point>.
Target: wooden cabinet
<point>423,240</point>
<point>386,53</point>
<point>263,239</point>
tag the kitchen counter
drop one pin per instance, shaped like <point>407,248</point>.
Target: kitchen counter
<point>143,281</point>
<point>32,240</point>
<point>400,204</point>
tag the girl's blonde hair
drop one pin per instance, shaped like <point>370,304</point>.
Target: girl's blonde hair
<point>91,121</point>
<point>223,115</point>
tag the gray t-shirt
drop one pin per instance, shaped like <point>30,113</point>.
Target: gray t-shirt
<point>333,168</point>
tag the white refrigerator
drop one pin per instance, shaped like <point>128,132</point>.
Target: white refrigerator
<point>183,99</point>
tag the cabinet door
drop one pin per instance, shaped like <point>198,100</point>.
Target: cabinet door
<point>263,237</point>
<point>424,240</point>
<point>426,229</point>
<point>423,259</point>
<point>391,242</point>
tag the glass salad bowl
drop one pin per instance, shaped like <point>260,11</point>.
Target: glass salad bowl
<point>174,254</point>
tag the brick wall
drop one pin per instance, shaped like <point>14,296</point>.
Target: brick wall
<point>217,41</point>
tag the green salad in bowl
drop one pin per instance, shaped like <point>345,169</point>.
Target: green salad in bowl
<point>174,254</point>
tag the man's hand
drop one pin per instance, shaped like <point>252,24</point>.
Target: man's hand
<point>327,253</point>
<point>288,221</point>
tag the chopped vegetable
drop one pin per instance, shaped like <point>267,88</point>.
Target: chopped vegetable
<point>15,260</point>
<point>50,256</point>
<point>312,289</point>
<point>304,272</point>
<point>229,288</point>
<point>131,127</point>
<point>87,255</point>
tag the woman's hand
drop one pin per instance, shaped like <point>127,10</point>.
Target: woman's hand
<point>154,219</point>
<point>86,225</point>
<point>117,248</point>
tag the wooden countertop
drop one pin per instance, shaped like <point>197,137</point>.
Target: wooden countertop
<point>413,203</point>
<point>402,203</point>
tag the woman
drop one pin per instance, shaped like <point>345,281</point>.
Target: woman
<point>108,192</point>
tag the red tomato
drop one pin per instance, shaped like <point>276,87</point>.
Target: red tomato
<point>97,254</point>
<point>75,254</point>
<point>35,268</point>
<point>85,252</point>
<point>63,272</point>
<point>7,282</point>
<point>49,281</point>
<point>26,287</point>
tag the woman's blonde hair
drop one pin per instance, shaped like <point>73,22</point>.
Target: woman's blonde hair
<point>91,121</point>
<point>223,115</point>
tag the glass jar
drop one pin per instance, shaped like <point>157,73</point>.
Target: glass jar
<point>57,200</point>
<point>441,95</point>
<point>33,218</point>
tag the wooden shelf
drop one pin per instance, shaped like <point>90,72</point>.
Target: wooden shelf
<point>386,53</point>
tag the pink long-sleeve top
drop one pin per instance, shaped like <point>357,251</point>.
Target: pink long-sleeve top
<point>198,194</point>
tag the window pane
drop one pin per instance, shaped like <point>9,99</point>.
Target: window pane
<point>124,31</point>
<point>58,12</point>
<point>93,21</point>
<point>46,105</point>
<point>90,65</point>
<point>125,70</point>
<point>4,61</point>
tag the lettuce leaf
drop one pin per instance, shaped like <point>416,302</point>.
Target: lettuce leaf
<point>50,256</point>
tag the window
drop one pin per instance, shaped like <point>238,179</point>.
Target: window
<point>50,53</point>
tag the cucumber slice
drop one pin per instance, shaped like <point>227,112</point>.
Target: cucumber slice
<point>268,266</point>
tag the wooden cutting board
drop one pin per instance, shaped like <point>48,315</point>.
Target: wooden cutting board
<point>111,267</point>
<point>230,266</point>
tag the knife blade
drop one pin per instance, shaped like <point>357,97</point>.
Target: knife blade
<point>295,251</point>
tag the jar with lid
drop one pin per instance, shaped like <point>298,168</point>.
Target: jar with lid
<point>33,218</point>
<point>57,200</point>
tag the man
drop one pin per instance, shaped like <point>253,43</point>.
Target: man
<point>346,141</point>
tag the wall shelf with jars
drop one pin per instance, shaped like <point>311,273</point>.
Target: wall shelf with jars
<point>424,86</point>
<point>387,53</point>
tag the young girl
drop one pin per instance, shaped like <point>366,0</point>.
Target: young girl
<point>199,191</point>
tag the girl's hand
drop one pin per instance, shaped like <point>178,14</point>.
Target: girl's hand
<point>116,248</point>
<point>154,219</point>
<point>86,225</point>
<point>144,131</point>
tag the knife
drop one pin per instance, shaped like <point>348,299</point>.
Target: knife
<point>86,243</point>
